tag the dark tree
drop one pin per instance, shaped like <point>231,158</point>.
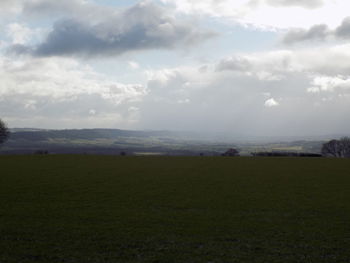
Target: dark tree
<point>337,148</point>
<point>4,132</point>
<point>231,152</point>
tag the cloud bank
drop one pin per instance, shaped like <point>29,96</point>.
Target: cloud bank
<point>267,93</point>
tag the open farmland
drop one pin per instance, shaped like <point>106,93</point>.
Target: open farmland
<point>174,209</point>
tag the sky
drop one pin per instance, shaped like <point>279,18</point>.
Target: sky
<point>257,67</point>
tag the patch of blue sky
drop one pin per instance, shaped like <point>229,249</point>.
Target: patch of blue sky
<point>235,38</point>
<point>118,69</point>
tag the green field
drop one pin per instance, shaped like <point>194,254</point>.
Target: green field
<point>174,209</point>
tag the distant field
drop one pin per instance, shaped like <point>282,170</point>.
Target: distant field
<point>174,209</point>
<point>288,149</point>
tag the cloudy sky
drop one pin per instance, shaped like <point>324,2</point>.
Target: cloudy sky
<point>258,67</point>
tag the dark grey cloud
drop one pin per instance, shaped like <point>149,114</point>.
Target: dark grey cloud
<point>343,31</point>
<point>234,64</point>
<point>141,27</point>
<point>318,32</point>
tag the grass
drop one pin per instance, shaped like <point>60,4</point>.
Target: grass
<point>174,209</point>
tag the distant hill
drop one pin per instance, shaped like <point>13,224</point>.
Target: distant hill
<point>26,129</point>
<point>115,141</point>
<point>90,134</point>
<point>100,141</point>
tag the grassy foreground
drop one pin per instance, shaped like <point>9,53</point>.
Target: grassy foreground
<point>174,209</point>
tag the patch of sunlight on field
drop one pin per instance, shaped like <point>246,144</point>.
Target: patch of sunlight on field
<point>291,149</point>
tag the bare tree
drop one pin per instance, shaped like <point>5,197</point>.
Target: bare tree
<point>337,148</point>
<point>331,148</point>
<point>4,132</point>
<point>345,145</point>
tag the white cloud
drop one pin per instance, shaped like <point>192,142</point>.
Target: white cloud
<point>84,9</point>
<point>330,84</point>
<point>9,8</point>
<point>269,13</point>
<point>271,103</point>
<point>63,89</point>
<point>302,3</point>
<point>334,60</point>
<point>19,33</point>
<point>133,65</point>
<point>92,112</point>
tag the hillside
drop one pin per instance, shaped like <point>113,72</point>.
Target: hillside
<point>107,141</point>
<point>115,141</point>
